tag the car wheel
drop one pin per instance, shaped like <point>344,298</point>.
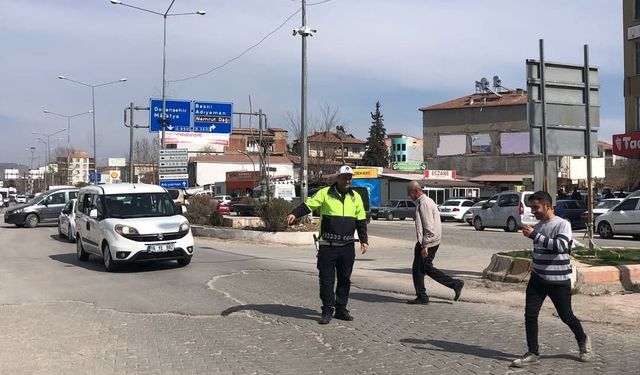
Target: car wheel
<point>477,223</point>
<point>31,221</point>
<point>184,261</point>
<point>80,253</point>
<point>512,225</point>
<point>109,266</point>
<point>605,231</point>
<point>390,216</point>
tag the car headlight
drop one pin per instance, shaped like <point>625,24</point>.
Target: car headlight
<point>17,211</point>
<point>125,230</point>
<point>184,227</point>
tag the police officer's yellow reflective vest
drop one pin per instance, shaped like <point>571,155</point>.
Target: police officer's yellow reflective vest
<point>340,214</point>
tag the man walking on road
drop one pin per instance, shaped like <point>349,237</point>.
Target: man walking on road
<point>341,214</point>
<point>550,276</point>
<point>429,234</point>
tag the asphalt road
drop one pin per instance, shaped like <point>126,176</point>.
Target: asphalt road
<point>234,310</point>
<point>463,235</point>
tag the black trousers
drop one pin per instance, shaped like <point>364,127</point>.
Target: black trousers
<point>424,266</point>
<point>334,260</point>
<point>537,291</point>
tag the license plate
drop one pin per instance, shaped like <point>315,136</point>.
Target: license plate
<point>160,248</point>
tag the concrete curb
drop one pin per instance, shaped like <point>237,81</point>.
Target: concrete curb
<point>499,267</point>
<point>630,275</point>
<point>282,238</point>
<point>519,271</point>
<point>598,280</point>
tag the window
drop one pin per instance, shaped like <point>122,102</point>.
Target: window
<point>636,9</point>
<point>480,143</point>
<point>73,194</point>
<point>637,57</point>
<point>56,198</point>
<point>452,145</point>
<point>411,204</point>
<point>355,150</point>
<point>404,157</point>
<point>628,205</point>
<point>402,204</point>
<point>467,204</point>
<point>81,203</point>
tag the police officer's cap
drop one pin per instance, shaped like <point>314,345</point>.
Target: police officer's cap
<point>345,170</point>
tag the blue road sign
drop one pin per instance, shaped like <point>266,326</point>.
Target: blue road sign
<point>210,117</point>
<point>178,115</point>
<point>92,177</point>
<point>174,183</point>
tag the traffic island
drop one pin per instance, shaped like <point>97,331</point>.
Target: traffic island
<point>281,238</point>
<point>598,272</point>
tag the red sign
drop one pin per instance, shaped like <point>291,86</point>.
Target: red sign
<point>627,145</point>
<point>434,174</point>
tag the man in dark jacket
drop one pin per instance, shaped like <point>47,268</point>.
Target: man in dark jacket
<point>342,212</point>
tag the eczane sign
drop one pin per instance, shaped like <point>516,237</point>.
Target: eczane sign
<point>436,174</point>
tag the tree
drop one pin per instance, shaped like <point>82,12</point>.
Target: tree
<point>377,153</point>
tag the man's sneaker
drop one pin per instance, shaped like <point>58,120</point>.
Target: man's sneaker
<point>327,314</point>
<point>586,352</point>
<point>458,290</point>
<point>526,360</point>
<point>418,301</point>
<point>343,314</point>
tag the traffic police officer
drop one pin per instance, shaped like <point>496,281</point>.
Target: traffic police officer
<point>341,214</point>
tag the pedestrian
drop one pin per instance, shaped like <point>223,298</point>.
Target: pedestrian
<point>550,276</point>
<point>576,196</point>
<point>342,213</point>
<point>429,235</point>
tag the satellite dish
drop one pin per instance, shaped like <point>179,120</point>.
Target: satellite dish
<point>497,82</point>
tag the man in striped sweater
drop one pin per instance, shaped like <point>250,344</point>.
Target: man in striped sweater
<point>550,276</point>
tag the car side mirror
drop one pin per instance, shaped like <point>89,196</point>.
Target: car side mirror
<point>93,213</point>
<point>66,212</point>
<point>184,210</point>
<point>485,206</point>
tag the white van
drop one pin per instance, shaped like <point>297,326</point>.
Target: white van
<point>129,223</point>
<point>508,210</point>
<point>283,190</point>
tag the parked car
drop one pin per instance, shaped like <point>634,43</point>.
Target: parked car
<point>468,216</point>
<point>572,210</point>
<point>67,221</point>
<point>603,206</point>
<point>508,210</point>
<point>223,198</point>
<point>131,222</point>
<point>43,208</point>
<point>395,208</point>
<point>454,209</point>
<point>624,218</point>
<point>21,199</point>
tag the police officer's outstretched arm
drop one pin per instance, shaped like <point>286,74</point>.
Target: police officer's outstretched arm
<point>361,224</point>
<point>305,208</point>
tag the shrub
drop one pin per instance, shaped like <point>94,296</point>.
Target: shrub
<point>274,214</point>
<point>202,210</point>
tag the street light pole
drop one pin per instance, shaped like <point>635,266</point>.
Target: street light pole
<point>48,144</point>
<point>164,15</point>
<point>93,111</point>
<point>69,117</point>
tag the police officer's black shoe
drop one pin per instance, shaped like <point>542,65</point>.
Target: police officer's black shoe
<point>343,314</point>
<point>327,314</point>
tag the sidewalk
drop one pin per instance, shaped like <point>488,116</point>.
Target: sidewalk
<point>387,267</point>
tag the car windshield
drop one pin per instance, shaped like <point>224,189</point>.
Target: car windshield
<point>390,204</point>
<point>479,204</point>
<point>607,204</point>
<point>35,199</point>
<point>136,205</point>
<point>451,203</point>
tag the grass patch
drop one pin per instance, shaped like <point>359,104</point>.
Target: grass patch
<point>608,257</point>
<point>517,253</point>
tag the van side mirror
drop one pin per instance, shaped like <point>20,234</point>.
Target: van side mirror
<point>93,213</point>
<point>184,210</point>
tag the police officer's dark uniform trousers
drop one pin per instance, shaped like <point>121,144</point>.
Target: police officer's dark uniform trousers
<point>341,215</point>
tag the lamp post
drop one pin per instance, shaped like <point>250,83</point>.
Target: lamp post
<point>48,144</point>
<point>93,111</point>
<point>164,15</point>
<point>68,117</point>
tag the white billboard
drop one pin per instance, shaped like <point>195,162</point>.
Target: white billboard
<point>117,162</point>
<point>197,141</point>
<point>578,168</point>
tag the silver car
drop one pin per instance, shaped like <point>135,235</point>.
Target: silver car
<point>508,210</point>
<point>67,221</point>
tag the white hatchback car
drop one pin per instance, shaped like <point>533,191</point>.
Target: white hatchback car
<point>67,221</point>
<point>131,222</point>
<point>621,219</point>
<point>454,209</point>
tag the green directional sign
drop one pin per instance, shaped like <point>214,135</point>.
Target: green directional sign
<point>408,166</point>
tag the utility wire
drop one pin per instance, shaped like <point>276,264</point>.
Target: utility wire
<point>248,49</point>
